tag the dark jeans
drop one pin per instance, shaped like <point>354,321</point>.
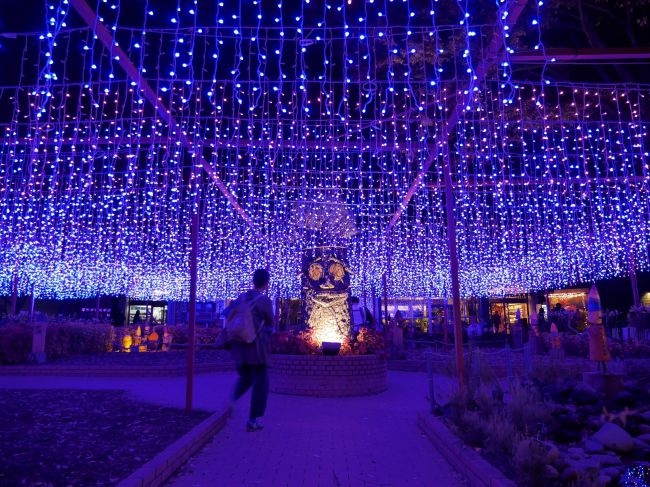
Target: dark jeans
<point>258,377</point>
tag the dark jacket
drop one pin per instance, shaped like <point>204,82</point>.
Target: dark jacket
<point>258,352</point>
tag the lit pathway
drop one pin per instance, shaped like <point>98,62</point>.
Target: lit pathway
<point>361,441</point>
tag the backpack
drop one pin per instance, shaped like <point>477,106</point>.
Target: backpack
<point>240,325</point>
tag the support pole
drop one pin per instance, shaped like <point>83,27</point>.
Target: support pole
<point>97,303</point>
<point>31,303</point>
<point>14,296</point>
<point>192,310</point>
<point>453,263</point>
<point>635,285</point>
<point>385,285</point>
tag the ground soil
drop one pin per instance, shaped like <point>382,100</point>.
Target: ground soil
<point>81,438</point>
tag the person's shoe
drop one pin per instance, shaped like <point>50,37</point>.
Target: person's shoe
<point>253,426</point>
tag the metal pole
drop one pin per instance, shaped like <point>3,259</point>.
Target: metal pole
<point>192,310</point>
<point>14,296</point>
<point>31,303</point>
<point>453,261</point>
<point>97,303</point>
<point>385,284</point>
<point>635,285</point>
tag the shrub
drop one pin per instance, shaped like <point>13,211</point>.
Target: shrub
<point>61,340</point>
<point>501,436</point>
<point>487,400</point>
<point>527,409</point>
<point>530,458</point>
<point>303,342</point>
<point>15,343</point>
<point>72,338</point>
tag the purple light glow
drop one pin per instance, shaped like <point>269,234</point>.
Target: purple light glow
<point>316,121</point>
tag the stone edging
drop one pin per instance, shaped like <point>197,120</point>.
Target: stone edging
<point>477,471</point>
<point>159,469</point>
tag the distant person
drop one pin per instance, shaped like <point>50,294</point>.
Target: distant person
<point>496,322</point>
<point>136,318</point>
<point>541,319</point>
<point>252,359</point>
<point>357,313</point>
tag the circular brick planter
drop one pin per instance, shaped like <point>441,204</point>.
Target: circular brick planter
<point>318,375</point>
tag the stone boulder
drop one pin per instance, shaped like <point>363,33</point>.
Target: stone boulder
<point>593,446</point>
<point>644,437</point>
<point>550,472</point>
<point>607,460</point>
<point>614,438</point>
<point>584,394</point>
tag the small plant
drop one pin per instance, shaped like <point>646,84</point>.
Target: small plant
<point>527,409</point>
<point>530,459</point>
<point>501,436</point>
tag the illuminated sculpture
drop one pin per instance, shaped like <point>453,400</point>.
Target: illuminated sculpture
<point>326,292</point>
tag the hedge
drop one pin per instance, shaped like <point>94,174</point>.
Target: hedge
<point>61,340</point>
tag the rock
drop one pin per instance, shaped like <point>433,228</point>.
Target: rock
<point>640,444</point>
<point>593,446</point>
<point>553,453</point>
<point>584,394</point>
<point>561,463</point>
<point>644,429</point>
<point>615,438</point>
<point>550,472</point>
<point>603,480</point>
<point>607,460</point>
<point>569,474</point>
<point>585,464</point>
<point>646,416</point>
<point>644,437</point>
<point>626,398</point>
<point>576,453</point>
<point>612,472</point>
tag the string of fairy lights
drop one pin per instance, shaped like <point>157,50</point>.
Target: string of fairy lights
<point>317,117</point>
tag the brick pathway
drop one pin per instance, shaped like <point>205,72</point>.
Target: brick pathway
<point>361,441</point>
<point>357,441</point>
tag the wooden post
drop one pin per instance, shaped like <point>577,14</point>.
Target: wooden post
<point>31,303</point>
<point>14,296</point>
<point>192,318</point>
<point>97,303</point>
<point>385,284</point>
<point>445,329</point>
<point>453,263</point>
<point>635,285</point>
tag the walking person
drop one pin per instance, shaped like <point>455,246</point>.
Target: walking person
<point>252,359</point>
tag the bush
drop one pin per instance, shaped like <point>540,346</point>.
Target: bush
<point>61,340</point>
<point>527,409</point>
<point>72,338</point>
<point>15,343</point>
<point>530,458</point>
<point>303,342</point>
<point>501,436</point>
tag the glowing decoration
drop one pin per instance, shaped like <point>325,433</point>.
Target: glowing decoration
<point>317,119</point>
<point>326,294</point>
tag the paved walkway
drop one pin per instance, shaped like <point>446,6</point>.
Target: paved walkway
<point>360,441</point>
